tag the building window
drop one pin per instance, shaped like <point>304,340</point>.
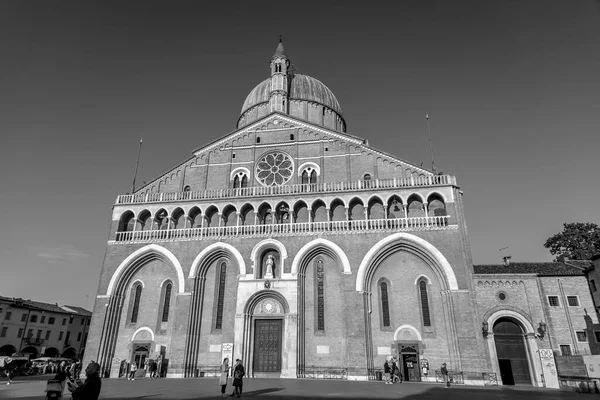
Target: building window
<point>292,136</point>
<point>367,177</point>
<point>60,335</point>
<point>82,321</point>
<point>20,333</point>
<point>23,317</point>
<point>67,336</point>
<point>64,321</point>
<point>43,319</point>
<point>33,318</point>
<point>3,332</point>
<point>30,333</point>
<point>166,302</point>
<point>79,337</point>
<point>136,303</point>
<point>51,320</point>
<point>39,334</point>
<point>88,322</point>
<point>187,188</point>
<point>221,296</point>
<point>565,350</point>
<point>581,336</point>
<point>502,296</point>
<point>385,304</point>
<point>553,301</point>
<point>258,139</point>
<point>597,336</point>
<point>320,296</point>
<point>84,337</point>
<point>47,335</point>
<point>8,315</point>
<point>424,303</point>
<point>593,285</point>
<point>573,301</point>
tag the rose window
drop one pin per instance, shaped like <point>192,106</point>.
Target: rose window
<point>274,169</point>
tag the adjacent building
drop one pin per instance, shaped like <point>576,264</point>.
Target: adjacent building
<point>42,329</point>
<point>306,249</point>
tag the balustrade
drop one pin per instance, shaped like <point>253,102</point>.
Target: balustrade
<point>286,229</point>
<point>262,191</point>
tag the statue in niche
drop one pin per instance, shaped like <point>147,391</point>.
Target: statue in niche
<point>270,264</point>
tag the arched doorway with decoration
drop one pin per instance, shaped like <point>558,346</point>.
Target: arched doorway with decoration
<point>511,352</point>
<point>513,348</point>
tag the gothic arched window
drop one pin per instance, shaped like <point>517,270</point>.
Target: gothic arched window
<point>320,275</point>
<point>236,182</point>
<point>424,303</point>
<point>166,302</point>
<point>304,177</point>
<point>385,304</point>
<point>221,296</point>
<point>313,177</point>
<point>136,302</point>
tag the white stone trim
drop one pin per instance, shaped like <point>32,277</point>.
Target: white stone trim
<point>410,327</point>
<point>239,169</point>
<point>415,240</point>
<point>423,276</point>
<point>143,328</point>
<point>138,253</point>
<point>140,281</point>
<point>219,245</point>
<point>309,165</point>
<point>323,242</point>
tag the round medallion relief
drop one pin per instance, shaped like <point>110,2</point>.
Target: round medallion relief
<point>268,307</point>
<point>274,169</point>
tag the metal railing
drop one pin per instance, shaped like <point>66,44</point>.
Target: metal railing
<point>264,191</point>
<point>324,372</point>
<point>396,224</point>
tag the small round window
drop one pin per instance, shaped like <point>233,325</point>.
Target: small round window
<point>502,296</point>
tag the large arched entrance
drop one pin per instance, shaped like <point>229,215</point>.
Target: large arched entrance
<point>51,352</point>
<point>511,352</point>
<point>7,350</point>
<point>32,351</point>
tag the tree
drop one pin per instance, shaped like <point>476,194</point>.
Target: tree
<point>577,241</point>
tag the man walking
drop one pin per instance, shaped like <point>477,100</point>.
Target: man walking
<point>386,371</point>
<point>444,372</point>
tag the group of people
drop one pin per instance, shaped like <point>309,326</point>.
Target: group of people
<point>154,366</point>
<point>391,370</point>
<point>238,377</point>
<point>80,390</point>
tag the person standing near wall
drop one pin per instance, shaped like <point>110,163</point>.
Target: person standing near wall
<point>224,376</point>
<point>444,372</point>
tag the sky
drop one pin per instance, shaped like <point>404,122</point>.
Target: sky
<point>512,89</point>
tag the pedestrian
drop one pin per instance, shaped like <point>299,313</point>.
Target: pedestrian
<point>394,371</point>
<point>159,366</point>
<point>224,376</point>
<point>153,369</point>
<point>132,372</point>
<point>238,375</point>
<point>9,370</point>
<point>90,389</point>
<point>386,371</point>
<point>146,366</point>
<point>444,372</point>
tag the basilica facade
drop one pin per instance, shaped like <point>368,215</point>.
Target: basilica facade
<point>309,250</point>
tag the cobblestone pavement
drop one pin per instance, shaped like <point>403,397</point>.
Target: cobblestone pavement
<point>289,389</point>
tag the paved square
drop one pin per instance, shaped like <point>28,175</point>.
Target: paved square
<point>208,388</point>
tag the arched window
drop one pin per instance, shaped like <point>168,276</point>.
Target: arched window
<point>424,303</point>
<point>258,139</point>
<point>187,188</point>
<point>385,304</point>
<point>367,177</point>
<point>313,177</point>
<point>245,181</point>
<point>240,180</point>
<point>304,177</point>
<point>166,303</point>
<point>292,136</point>
<point>221,296</point>
<point>136,302</point>
<point>236,182</point>
<point>320,275</point>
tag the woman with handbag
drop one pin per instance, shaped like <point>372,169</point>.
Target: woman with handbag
<point>224,376</point>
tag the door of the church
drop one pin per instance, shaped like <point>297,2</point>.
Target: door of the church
<point>409,362</point>
<point>267,346</point>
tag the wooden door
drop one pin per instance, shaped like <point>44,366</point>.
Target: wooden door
<point>267,345</point>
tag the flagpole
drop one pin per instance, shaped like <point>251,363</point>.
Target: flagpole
<point>430,145</point>
<point>137,163</point>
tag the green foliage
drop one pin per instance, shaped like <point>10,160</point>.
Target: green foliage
<point>577,241</point>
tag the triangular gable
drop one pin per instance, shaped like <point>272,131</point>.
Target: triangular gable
<point>276,121</point>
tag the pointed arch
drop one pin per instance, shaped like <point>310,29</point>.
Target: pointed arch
<point>141,256</point>
<point>219,248</point>
<point>404,240</point>
<point>332,249</point>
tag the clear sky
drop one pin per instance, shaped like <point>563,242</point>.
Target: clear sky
<point>512,89</point>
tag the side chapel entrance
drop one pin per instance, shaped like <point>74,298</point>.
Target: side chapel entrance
<point>512,354</point>
<point>267,347</point>
<point>408,356</point>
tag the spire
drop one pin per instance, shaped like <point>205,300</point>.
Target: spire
<point>280,52</point>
